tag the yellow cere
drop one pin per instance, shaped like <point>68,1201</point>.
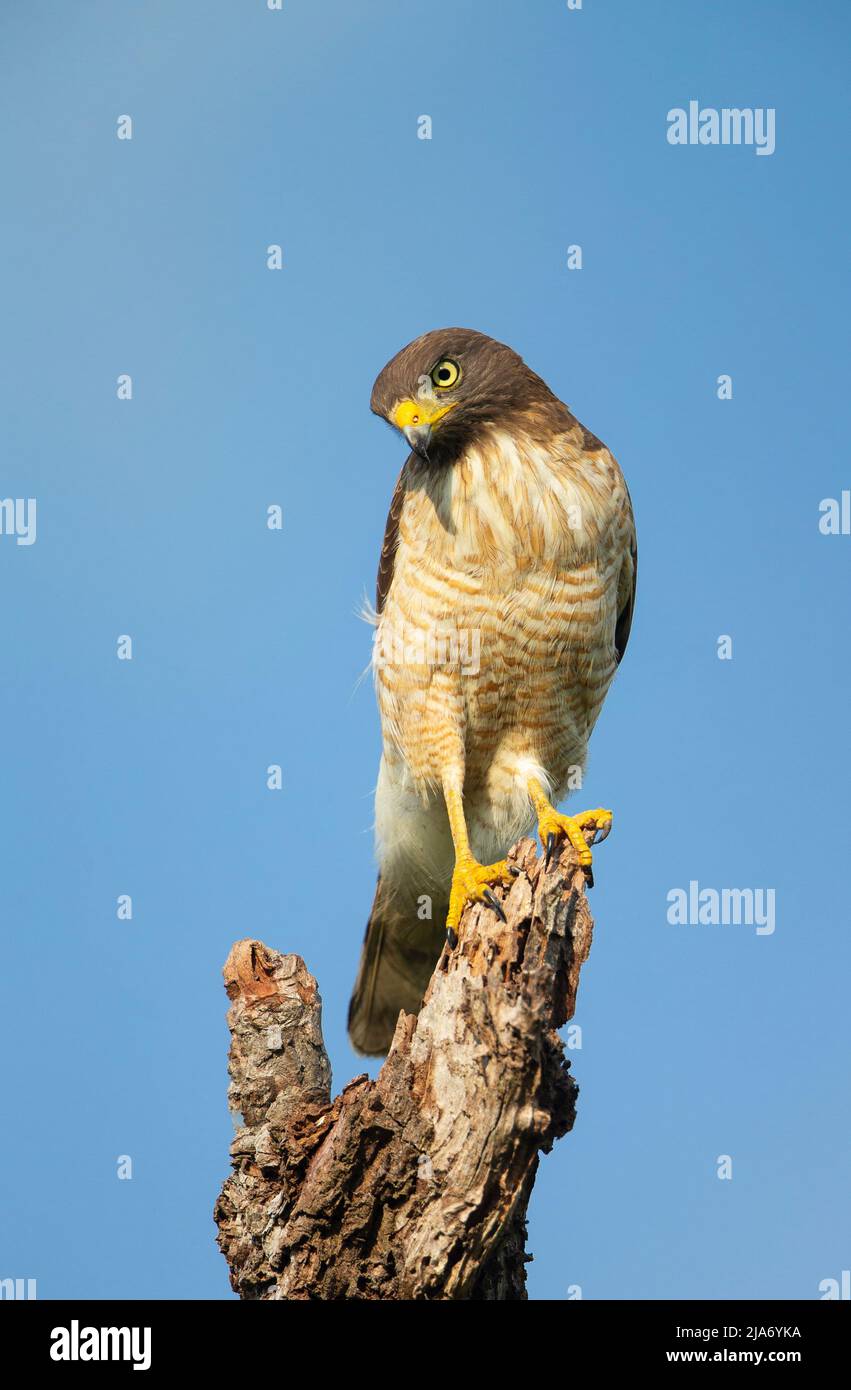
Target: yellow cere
<point>425,412</point>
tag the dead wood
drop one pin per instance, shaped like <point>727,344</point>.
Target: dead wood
<point>414,1185</point>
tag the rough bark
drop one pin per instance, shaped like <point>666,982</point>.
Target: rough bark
<point>414,1185</point>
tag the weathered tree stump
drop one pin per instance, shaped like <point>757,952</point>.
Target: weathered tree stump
<point>415,1185</point>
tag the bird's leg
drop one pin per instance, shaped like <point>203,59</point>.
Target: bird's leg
<point>551,825</point>
<point>471,881</point>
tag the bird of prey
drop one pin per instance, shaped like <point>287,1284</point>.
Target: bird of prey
<point>505,595</point>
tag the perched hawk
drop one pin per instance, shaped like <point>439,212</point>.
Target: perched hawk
<point>505,594</point>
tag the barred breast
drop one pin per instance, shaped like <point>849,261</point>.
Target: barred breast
<point>496,644</point>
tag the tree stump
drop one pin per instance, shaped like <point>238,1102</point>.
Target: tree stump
<point>414,1185</point>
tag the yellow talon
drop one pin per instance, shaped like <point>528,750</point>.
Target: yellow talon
<point>470,883</point>
<point>552,823</point>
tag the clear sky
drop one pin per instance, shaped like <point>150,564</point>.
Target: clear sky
<point>251,388</point>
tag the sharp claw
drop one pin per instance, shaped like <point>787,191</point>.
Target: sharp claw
<point>451,938</point>
<point>494,903</point>
<point>589,876</point>
<point>601,833</point>
<point>513,869</point>
<point>548,849</point>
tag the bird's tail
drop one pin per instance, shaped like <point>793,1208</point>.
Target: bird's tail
<point>400,951</point>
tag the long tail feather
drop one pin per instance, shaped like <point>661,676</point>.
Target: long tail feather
<point>398,957</point>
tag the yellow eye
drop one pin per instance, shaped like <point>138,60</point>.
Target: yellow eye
<point>446,374</point>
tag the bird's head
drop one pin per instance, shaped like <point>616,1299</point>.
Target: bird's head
<point>443,388</point>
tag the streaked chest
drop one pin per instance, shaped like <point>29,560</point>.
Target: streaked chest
<point>514,538</point>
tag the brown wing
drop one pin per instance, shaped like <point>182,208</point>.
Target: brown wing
<point>629,574</point>
<point>388,549</point>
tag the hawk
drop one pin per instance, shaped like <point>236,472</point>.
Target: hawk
<point>505,595</point>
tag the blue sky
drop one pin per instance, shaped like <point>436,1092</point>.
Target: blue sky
<point>251,387</point>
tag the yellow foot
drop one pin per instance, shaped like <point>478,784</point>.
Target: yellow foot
<point>471,882</point>
<point>551,825</point>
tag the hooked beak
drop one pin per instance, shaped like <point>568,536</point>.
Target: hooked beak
<point>419,438</point>
<point>417,419</point>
